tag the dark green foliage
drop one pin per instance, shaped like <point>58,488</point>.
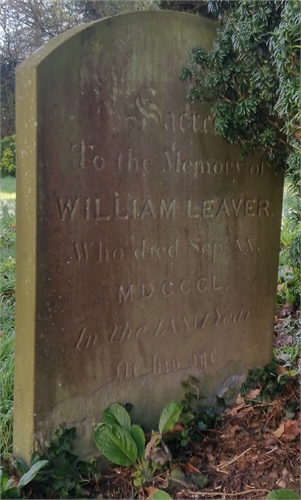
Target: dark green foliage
<point>7,85</point>
<point>6,488</point>
<point>195,417</point>
<point>65,475</point>
<point>198,7</point>
<point>8,156</point>
<point>289,285</point>
<point>255,54</point>
<point>285,47</point>
<point>271,385</point>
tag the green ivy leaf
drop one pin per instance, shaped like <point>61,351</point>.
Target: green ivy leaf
<point>283,495</point>
<point>115,414</point>
<point>31,474</point>
<point>116,444</point>
<point>139,438</point>
<point>169,417</point>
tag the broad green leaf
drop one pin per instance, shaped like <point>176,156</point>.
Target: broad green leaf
<point>139,438</point>
<point>31,474</point>
<point>3,479</point>
<point>186,417</point>
<point>9,482</point>
<point>116,414</point>
<point>9,493</point>
<point>160,495</point>
<point>169,417</point>
<point>116,444</point>
<point>283,495</point>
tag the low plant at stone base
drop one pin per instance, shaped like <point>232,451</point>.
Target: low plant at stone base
<point>195,417</point>
<point>9,491</point>
<point>124,444</point>
<point>273,380</point>
<point>288,356</point>
<point>63,474</point>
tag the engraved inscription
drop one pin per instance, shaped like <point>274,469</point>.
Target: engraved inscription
<point>85,340</point>
<point>248,245</point>
<point>149,116</point>
<point>98,252</point>
<point>168,288</point>
<point>178,325</point>
<point>129,162</point>
<point>212,249</point>
<point>148,250</point>
<point>82,250</point>
<point>228,207</point>
<point>173,160</point>
<point>83,155</point>
<point>67,208</point>
<point>126,209</point>
<point>162,364</point>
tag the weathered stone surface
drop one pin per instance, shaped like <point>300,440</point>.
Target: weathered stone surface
<point>146,250</point>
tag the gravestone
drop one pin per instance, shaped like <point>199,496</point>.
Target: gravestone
<point>146,250</point>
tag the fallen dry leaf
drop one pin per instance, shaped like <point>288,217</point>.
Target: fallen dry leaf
<point>158,454</point>
<point>253,394</point>
<point>195,461</point>
<point>278,433</point>
<point>233,430</point>
<point>273,475</point>
<point>291,429</point>
<point>150,490</point>
<point>189,467</point>
<point>176,428</point>
<point>234,409</point>
<point>253,425</point>
<point>240,400</point>
<point>281,370</point>
<point>281,483</point>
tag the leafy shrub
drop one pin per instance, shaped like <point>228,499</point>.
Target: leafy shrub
<point>8,156</point>
<point>251,78</point>
<point>289,286</point>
